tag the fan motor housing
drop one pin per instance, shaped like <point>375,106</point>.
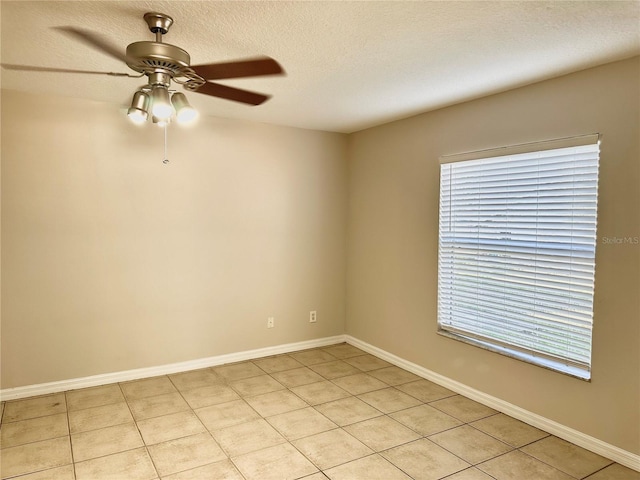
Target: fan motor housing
<point>154,57</point>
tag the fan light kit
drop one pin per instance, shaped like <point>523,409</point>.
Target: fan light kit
<point>161,63</point>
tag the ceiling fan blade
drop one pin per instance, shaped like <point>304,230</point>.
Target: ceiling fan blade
<point>95,41</point>
<point>254,67</point>
<point>231,93</point>
<point>29,68</point>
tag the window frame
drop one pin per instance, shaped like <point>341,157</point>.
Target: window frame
<point>562,365</point>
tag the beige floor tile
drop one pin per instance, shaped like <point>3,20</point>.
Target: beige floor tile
<point>566,456</point>
<point>247,437</point>
<point>256,385</point>
<point>99,417</point>
<point>615,472</point>
<point>195,379</point>
<point>359,383</point>
<point>157,405</point>
<point>509,430</point>
<point>1,411</point>
<point>238,371</point>
<point>425,391</point>
<point>343,350</point>
<point>389,400</point>
<point>470,444</point>
<point>34,430</point>
<point>277,402</point>
<point>222,470</point>
<point>394,375</point>
<point>148,387</point>
<point>185,454</point>
<point>321,392</point>
<point>94,397</point>
<point>282,462</point>
<point>226,414</point>
<point>347,411</point>
<point>297,377</point>
<point>382,433</point>
<point>424,460</point>
<point>36,456</point>
<point>470,474</point>
<point>519,466</point>
<point>301,423</point>
<point>169,427</point>
<point>335,369</point>
<point>463,408</point>
<point>278,363</point>
<point>373,467</point>
<point>211,395</point>
<point>16,410</point>
<point>105,441</point>
<point>426,420</point>
<point>312,357</point>
<point>332,448</point>
<point>174,412</point>
<point>367,362</point>
<point>65,472</point>
<point>131,465</point>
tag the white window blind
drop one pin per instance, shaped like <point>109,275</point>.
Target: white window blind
<point>516,260</point>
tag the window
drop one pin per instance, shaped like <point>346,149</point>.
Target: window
<point>516,254</point>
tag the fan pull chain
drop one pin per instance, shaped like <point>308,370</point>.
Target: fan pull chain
<point>166,156</point>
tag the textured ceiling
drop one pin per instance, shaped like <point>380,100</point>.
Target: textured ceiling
<point>350,65</point>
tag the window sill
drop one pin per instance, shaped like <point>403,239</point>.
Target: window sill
<point>549,364</point>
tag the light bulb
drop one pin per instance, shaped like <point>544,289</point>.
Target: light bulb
<point>185,113</point>
<point>161,122</point>
<point>136,116</point>
<point>137,113</point>
<point>161,110</point>
<point>161,106</point>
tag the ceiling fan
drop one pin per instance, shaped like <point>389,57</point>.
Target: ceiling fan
<point>163,63</point>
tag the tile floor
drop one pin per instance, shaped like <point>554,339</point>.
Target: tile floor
<point>334,412</point>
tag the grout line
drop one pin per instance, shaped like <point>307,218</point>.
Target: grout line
<point>73,461</point>
<point>599,470</point>
<point>553,466</point>
<point>146,449</point>
<point>34,441</point>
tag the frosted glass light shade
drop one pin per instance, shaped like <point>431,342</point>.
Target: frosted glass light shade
<point>161,103</point>
<point>138,112</point>
<point>185,113</point>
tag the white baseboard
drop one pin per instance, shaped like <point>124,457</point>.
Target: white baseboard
<point>104,379</point>
<point>612,452</point>
<point>583,440</point>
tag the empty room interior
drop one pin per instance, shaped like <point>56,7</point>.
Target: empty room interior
<point>398,240</point>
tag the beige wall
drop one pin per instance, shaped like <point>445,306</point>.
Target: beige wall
<point>393,243</point>
<point>113,261</point>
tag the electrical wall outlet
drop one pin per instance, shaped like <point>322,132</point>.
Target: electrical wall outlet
<point>313,317</point>
<point>270,322</point>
